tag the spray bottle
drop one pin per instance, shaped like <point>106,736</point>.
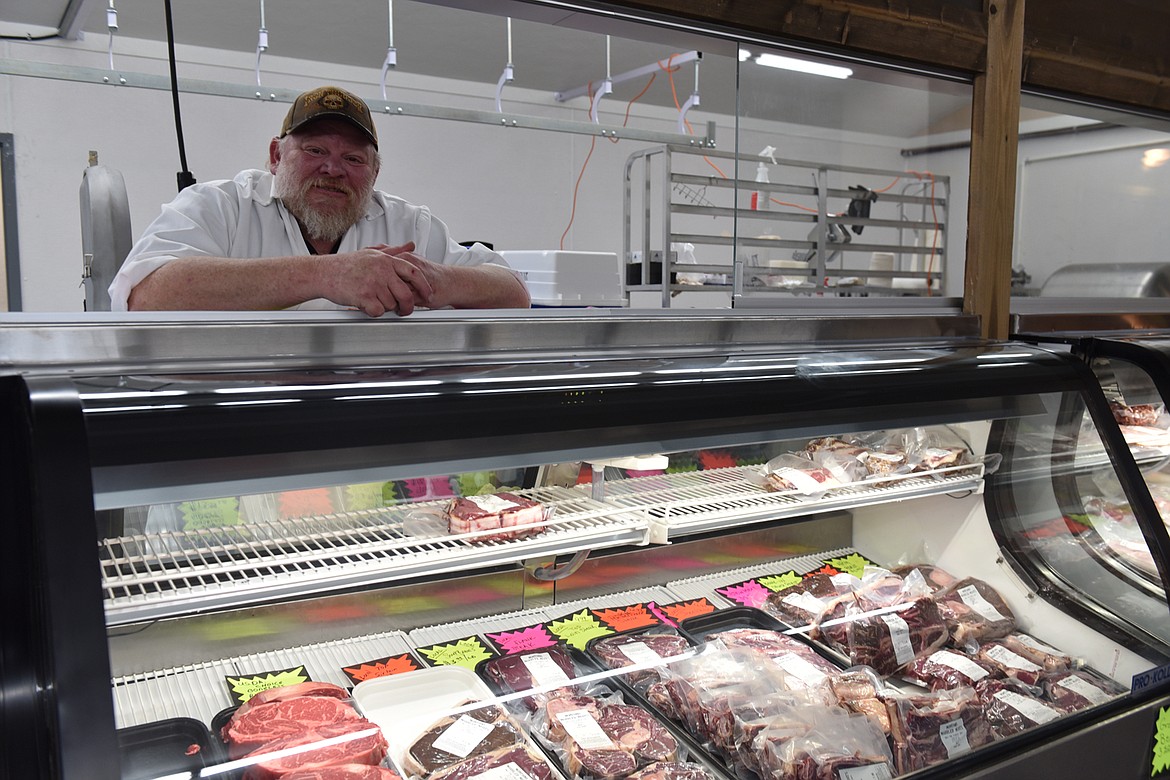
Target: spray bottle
<point>762,200</point>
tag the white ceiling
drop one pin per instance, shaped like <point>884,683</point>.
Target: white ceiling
<point>552,49</point>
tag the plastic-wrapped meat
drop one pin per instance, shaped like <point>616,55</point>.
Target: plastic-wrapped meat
<point>453,739</point>
<point>1012,707</point>
<point>610,740</point>
<point>945,669</point>
<point>1045,656</point>
<point>974,612</point>
<point>512,515</point>
<point>647,647</point>
<point>886,462</point>
<point>1135,414</point>
<point>554,708</point>
<point>675,770</point>
<point>938,579</point>
<point>801,604</point>
<point>808,479</point>
<point>859,690</point>
<point>1078,690</point>
<point>889,641</point>
<point>931,728</point>
<point>658,694</point>
<point>835,444</point>
<point>935,458</point>
<point>524,763</point>
<point>834,742</point>
<point>999,656</point>
<point>800,664</point>
<point>535,669</point>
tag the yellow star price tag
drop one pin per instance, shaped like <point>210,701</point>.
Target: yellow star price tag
<point>1161,758</point>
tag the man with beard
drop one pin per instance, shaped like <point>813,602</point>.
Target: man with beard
<point>310,233</point>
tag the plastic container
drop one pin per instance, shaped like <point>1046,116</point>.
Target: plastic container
<point>561,278</point>
<point>173,746</point>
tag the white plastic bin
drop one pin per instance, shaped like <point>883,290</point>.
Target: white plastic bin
<point>562,278</point>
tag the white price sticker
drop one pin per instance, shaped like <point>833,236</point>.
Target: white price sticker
<point>900,637</point>
<point>462,736</point>
<point>508,771</point>
<point>954,737</point>
<point>639,653</point>
<point>869,772</point>
<point>974,599</point>
<point>1084,688</point>
<point>959,663</point>
<point>585,730</point>
<point>491,504</point>
<point>544,670</point>
<point>800,668</point>
<point>1002,655</point>
<point>1035,711</point>
<point>804,601</point>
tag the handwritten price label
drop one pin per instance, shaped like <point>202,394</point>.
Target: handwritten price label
<point>627,618</point>
<point>681,610</point>
<point>531,638</point>
<point>243,688</point>
<point>382,667</point>
<point>778,582</point>
<point>578,629</point>
<point>469,651</point>
<point>210,513</point>
<point>749,594</point>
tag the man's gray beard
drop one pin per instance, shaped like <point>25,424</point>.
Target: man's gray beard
<point>320,225</point>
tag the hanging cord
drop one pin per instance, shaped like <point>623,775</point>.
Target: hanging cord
<point>391,53</point>
<point>112,25</point>
<point>185,179</point>
<point>261,42</point>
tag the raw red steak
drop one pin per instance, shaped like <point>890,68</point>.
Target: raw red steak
<point>256,727</point>
<point>453,739</point>
<point>344,772</point>
<point>520,758</point>
<point>638,649</point>
<point>361,742</point>
<point>1076,690</point>
<point>512,515</point>
<point>535,669</point>
<point>974,612</point>
<point>310,688</point>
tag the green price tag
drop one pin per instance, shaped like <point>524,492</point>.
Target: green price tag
<point>579,629</point>
<point>778,582</point>
<point>209,513</point>
<point>367,496</point>
<point>244,688</point>
<point>850,564</point>
<point>468,652</point>
<point>1161,758</point>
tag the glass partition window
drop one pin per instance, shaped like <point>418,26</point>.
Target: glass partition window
<point>1091,184</point>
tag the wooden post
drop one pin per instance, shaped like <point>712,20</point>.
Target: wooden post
<point>995,124</point>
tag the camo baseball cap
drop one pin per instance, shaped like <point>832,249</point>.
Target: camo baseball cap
<point>329,102</point>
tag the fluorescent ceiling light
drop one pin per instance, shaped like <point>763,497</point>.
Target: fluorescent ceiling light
<point>803,66</point>
<point>744,54</point>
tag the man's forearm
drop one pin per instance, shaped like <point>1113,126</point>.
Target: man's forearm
<point>486,287</point>
<point>229,284</point>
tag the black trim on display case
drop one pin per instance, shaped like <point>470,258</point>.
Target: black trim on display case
<point>57,668</point>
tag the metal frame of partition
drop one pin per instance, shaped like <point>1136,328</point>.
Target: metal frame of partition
<point>828,236</point>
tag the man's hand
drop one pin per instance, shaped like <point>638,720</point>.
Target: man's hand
<point>379,279</point>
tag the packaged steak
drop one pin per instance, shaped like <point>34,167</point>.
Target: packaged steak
<point>522,761</point>
<point>802,604</point>
<point>1135,414</point>
<point>344,772</point>
<point>944,669</point>
<point>1043,655</point>
<point>606,738</point>
<point>862,691</point>
<point>974,612</point>
<point>1009,663</point>
<point>1012,707</point>
<point>937,578</point>
<point>843,445</point>
<point>832,742</point>
<point>640,649</point>
<point>798,664</point>
<point>674,770</point>
<point>546,672</point>
<point>790,473</point>
<point>455,738</point>
<point>1075,689</point>
<point>931,728</point>
<point>512,516</point>
<point>889,622</point>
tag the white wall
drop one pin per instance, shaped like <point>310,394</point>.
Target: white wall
<point>511,187</point>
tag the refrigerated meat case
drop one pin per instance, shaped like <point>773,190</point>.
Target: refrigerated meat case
<point>251,507</point>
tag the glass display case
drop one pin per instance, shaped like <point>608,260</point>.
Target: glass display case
<point>877,542</point>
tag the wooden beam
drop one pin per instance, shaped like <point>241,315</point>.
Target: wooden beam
<point>992,193</point>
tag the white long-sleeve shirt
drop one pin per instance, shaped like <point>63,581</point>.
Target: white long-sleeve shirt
<point>240,218</point>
